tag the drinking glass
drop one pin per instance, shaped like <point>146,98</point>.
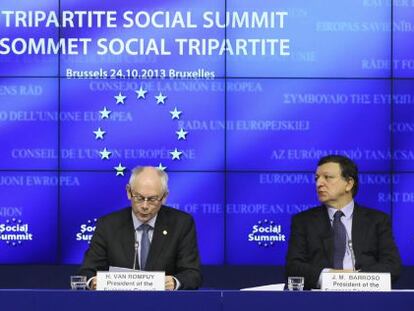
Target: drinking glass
<point>296,282</point>
<point>78,282</point>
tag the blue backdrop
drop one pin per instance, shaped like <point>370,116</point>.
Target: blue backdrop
<point>250,127</point>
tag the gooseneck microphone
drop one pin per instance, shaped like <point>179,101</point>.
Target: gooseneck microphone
<point>351,250</point>
<point>136,245</point>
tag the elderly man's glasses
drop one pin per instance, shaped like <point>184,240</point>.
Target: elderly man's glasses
<point>139,199</point>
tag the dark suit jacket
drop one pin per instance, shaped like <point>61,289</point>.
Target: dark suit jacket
<point>311,244</point>
<point>175,252</point>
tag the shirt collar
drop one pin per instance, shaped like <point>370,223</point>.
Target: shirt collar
<point>138,223</point>
<point>347,210</point>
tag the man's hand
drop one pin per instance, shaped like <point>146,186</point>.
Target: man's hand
<point>92,284</point>
<point>169,283</point>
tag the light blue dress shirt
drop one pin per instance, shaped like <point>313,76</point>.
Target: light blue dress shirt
<point>138,233</point>
<point>348,211</point>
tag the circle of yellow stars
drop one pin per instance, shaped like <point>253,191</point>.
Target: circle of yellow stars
<point>141,94</point>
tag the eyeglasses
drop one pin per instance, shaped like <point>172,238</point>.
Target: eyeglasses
<point>153,200</point>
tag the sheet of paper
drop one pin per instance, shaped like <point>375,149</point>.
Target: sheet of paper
<point>120,269</point>
<point>271,287</point>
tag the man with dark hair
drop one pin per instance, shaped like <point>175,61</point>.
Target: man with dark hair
<point>340,235</point>
<point>348,168</point>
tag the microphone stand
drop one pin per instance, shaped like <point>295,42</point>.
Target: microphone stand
<point>351,249</point>
<point>136,245</point>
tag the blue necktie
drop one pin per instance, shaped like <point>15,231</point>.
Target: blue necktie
<point>339,240</point>
<point>145,244</point>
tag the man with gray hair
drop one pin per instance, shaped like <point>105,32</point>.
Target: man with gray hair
<point>147,235</point>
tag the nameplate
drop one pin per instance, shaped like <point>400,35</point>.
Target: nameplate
<point>356,281</point>
<point>137,280</point>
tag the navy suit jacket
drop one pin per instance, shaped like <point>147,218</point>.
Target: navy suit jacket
<point>311,244</point>
<point>173,247</point>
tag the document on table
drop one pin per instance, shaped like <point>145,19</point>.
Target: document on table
<point>270,287</point>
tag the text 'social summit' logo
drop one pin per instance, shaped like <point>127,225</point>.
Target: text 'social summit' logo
<point>14,232</point>
<point>266,233</point>
<point>105,153</point>
<point>86,231</point>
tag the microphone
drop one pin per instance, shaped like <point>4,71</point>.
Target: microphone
<point>136,245</point>
<point>351,249</point>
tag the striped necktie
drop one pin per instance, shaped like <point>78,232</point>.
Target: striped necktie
<point>339,241</point>
<point>145,244</point>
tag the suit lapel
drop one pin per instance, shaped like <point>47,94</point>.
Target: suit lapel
<point>158,239</point>
<point>327,234</point>
<point>359,225</point>
<point>127,234</point>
